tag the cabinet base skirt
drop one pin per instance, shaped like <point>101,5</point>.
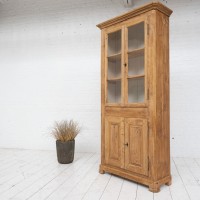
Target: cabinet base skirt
<point>154,186</point>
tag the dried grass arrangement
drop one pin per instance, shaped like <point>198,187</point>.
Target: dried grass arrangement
<point>65,130</point>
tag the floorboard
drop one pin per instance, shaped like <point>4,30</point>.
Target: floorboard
<point>36,175</point>
<point>191,185</point>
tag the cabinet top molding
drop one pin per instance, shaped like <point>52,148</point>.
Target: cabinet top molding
<point>148,7</point>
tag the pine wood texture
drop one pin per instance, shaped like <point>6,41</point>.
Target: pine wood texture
<point>136,150</point>
<point>135,138</point>
<point>114,141</point>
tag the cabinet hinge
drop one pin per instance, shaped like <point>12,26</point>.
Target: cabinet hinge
<point>147,29</point>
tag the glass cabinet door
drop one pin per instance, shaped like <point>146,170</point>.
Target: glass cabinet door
<point>136,65</point>
<point>114,74</point>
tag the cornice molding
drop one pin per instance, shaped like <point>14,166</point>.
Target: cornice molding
<point>146,8</point>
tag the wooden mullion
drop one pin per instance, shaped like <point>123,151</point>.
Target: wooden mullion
<point>122,65</point>
<point>126,65</point>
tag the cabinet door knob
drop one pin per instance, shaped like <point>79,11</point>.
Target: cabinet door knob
<point>125,64</point>
<point>126,144</point>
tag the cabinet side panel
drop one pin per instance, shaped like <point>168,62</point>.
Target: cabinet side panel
<point>150,60</point>
<point>162,139</point>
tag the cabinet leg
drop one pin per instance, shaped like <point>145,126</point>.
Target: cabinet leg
<point>168,183</point>
<point>101,171</point>
<point>154,187</point>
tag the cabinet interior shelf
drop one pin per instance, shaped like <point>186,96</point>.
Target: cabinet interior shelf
<point>136,52</point>
<point>136,76</point>
<point>114,79</point>
<point>114,57</point>
<point>132,53</point>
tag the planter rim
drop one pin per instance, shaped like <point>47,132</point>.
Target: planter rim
<point>65,141</point>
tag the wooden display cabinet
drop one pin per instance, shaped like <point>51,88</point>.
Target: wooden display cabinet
<point>135,141</point>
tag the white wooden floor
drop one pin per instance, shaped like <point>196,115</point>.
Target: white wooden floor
<point>36,175</point>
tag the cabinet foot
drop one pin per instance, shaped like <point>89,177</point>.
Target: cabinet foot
<point>154,188</point>
<point>101,171</point>
<point>168,183</point>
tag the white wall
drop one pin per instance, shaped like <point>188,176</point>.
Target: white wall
<point>50,70</point>
<point>185,78</point>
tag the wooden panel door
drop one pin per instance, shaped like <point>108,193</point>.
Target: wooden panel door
<point>114,141</point>
<point>136,148</point>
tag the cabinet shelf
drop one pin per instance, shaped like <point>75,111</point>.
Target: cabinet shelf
<point>114,57</point>
<point>136,52</point>
<point>114,79</point>
<point>136,76</point>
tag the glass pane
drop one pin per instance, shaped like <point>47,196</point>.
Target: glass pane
<point>136,64</point>
<point>114,43</point>
<point>136,90</point>
<point>136,36</point>
<point>114,68</point>
<point>114,91</point>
